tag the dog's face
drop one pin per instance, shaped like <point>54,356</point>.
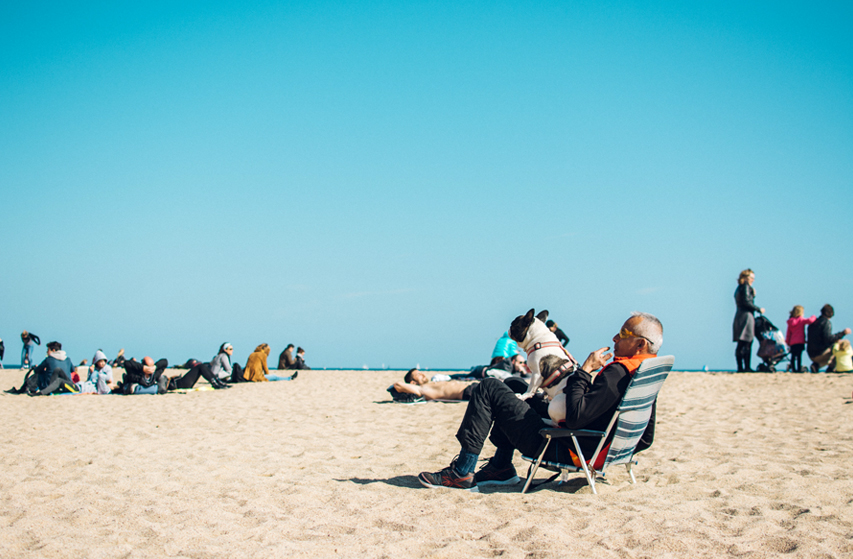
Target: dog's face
<point>521,324</point>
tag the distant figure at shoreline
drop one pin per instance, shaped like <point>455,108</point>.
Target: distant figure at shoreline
<point>743,328</point>
<point>30,342</point>
<point>555,328</point>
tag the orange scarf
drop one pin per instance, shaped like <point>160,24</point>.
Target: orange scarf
<point>633,363</point>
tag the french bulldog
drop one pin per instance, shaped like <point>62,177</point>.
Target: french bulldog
<point>549,362</point>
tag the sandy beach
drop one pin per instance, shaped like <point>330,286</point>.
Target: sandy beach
<point>749,465</point>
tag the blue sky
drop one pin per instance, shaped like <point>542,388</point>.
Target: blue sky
<point>390,183</point>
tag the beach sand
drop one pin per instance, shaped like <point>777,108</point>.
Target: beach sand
<point>748,465</point>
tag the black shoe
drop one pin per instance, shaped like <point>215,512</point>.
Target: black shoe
<point>448,478</point>
<point>490,474</point>
<point>814,368</point>
<point>294,375</point>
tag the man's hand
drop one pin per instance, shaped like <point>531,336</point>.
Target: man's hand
<point>596,360</point>
<point>846,331</point>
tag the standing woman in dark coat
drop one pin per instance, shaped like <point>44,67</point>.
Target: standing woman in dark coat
<point>744,324</point>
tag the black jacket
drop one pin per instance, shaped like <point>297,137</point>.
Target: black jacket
<point>591,404</point>
<point>820,336</point>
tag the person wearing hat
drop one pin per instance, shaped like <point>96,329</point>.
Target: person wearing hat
<point>100,380</point>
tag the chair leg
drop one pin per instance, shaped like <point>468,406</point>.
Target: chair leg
<point>630,466</point>
<point>590,479</point>
<point>535,466</point>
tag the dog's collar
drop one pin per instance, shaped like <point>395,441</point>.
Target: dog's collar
<point>562,372</point>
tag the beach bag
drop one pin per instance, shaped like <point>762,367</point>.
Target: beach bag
<point>30,385</point>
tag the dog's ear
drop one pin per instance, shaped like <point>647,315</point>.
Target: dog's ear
<point>519,326</point>
<point>543,316</point>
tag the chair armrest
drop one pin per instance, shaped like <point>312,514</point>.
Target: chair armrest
<point>555,433</point>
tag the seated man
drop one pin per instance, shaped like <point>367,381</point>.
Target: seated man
<point>821,338</point>
<point>591,401</point>
<point>55,371</point>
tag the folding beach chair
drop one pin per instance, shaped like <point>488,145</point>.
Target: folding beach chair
<point>628,424</point>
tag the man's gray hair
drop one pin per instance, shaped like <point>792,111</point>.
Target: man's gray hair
<point>651,329</point>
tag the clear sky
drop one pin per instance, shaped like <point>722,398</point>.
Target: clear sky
<point>390,183</point>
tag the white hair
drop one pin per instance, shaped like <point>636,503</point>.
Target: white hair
<point>651,329</point>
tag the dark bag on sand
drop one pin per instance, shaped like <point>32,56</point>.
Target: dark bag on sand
<point>30,385</point>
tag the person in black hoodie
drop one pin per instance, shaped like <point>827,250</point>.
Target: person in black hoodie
<point>821,338</point>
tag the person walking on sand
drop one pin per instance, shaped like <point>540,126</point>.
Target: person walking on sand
<point>795,337</point>
<point>743,329</point>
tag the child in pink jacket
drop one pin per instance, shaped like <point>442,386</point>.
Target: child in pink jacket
<point>795,337</point>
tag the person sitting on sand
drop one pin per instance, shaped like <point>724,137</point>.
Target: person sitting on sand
<point>286,359</point>
<point>300,360</point>
<point>256,367</point>
<point>100,379</point>
<point>820,340</point>
<point>188,379</point>
<point>119,360</point>
<point>591,400</point>
<point>144,378</point>
<point>221,366</point>
<point>54,373</point>
<point>843,354</point>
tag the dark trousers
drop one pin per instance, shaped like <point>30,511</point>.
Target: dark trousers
<point>57,378</point>
<point>189,379</point>
<point>513,423</point>
<point>797,357</point>
<point>743,354</point>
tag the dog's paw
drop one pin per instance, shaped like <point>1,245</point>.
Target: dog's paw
<point>524,396</point>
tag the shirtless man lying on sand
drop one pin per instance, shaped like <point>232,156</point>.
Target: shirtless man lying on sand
<point>418,383</point>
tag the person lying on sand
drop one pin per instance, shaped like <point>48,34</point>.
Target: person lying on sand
<point>416,382</point>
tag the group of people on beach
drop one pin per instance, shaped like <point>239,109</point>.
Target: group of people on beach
<point>812,334</point>
<point>57,374</point>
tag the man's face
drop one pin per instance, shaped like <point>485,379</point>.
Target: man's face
<point>419,378</point>
<point>626,343</point>
<point>553,327</point>
<point>519,365</point>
